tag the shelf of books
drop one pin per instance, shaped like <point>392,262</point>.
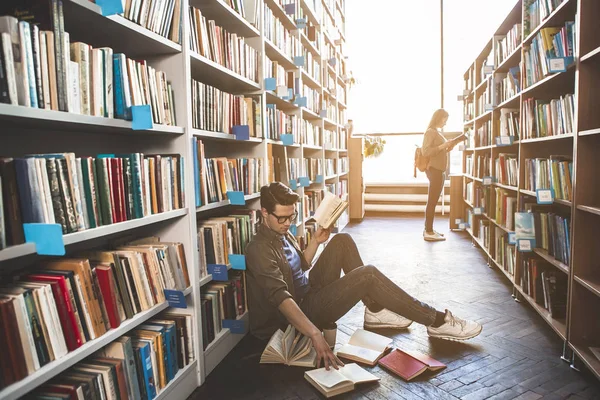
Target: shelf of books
<point>131,165</point>
<point>528,108</point>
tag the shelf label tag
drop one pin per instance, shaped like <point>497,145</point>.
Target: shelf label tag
<point>287,139</point>
<point>218,272</point>
<point>478,210</point>
<point>271,106</point>
<point>301,23</point>
<point>299,61</point>
<point>141,118</point>
<point>236,326</point>
<point>270,83</point>
<point>504,140</point>
<point>241,132</point>
<point>544,196</point>
<point>293,184</point>
<point>526,245</point>
<point>282,91</point>
<point>488,69</point>
<point>332,61</point>
<point>319,179</point>
<point>466,92</point>
<point>237,261</point>
<point>175,298</point>
<point>300,101</point>
<point>488,180</point>
<point>323,113</point>
<point>463,225</point>
<point>110,7</point>
<point>290,8</point>
<point>236,198</point>
<point>293,229</point>
<point>488,107</point>
<point>48,238</point>
<point>304,181</point>
<point>512,239</point>
<point>559,64</point>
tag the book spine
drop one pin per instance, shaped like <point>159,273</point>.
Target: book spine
<point>35,43</point>
<point>25,34</point>
<point>57,205</point>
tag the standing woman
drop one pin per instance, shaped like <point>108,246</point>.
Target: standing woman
<point>436,148</point>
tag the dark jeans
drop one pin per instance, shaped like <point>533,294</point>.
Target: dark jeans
<point>332,296</point>
<point>436,184</point>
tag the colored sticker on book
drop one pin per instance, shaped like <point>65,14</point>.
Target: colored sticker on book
<point>110,7</point>
<point>236,198</point>
<point>512,238</point>
<point>241,132</point>
<point>237,261</point>
<point>504,140</point>
<point>48,238</point>
<point>236,326</point>
<point>304,181</point>
<point>141,118</point>
<point>270,83</point>
<point>287,139</point>
<point>544,196</point>
<point>175,298</point>
<point>218,272</point>
<point>299,61</point>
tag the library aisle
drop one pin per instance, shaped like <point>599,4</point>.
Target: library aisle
<point>516,356</point>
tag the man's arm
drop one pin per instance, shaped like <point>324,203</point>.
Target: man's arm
<point>321,236</point>
<point>300,321</point>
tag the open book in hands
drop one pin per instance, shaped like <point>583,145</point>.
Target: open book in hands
<point>333,382</point>
<point>329,210</point>
<point>289,348</point>
<point>365,347</point>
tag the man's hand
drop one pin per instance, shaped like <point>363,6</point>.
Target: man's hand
<point>321,235</point>
<point>324,352</point>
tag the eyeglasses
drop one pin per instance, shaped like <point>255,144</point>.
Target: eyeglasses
<point>281,220</point>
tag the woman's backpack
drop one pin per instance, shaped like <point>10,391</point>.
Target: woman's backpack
<point>420,161</point>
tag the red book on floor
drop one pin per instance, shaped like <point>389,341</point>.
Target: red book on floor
<point>409,364</point>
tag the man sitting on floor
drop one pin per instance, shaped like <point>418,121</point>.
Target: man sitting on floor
<point>279,292</point>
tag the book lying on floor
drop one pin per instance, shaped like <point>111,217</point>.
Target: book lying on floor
<point>329,210</point>
<point>409,364</point>
<point>365,347</point>
<point>289,348</point>
<point>333,382</point>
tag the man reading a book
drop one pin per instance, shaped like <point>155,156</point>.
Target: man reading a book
<point>280,293</point>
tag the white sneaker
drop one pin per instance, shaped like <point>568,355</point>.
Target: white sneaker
<point>433,237</point>
<point>455,328</point>
<point>385,319</point>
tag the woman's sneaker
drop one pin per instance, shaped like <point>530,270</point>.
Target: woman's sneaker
<point>433,237</point>
<point>455,328</point>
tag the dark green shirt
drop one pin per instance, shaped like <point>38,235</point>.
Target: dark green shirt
<point>269,280</point>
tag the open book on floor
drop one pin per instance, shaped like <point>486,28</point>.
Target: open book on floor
<point>409,364</point>
<point>289,348</point>
<point>365,347</point>
<point>329,210</point>
<point>333,382</point>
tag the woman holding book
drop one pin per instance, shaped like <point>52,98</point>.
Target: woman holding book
<point>280,293</point>
<point>436,148</point>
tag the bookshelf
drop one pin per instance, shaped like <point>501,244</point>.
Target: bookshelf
<point>317,121</point>
<point>521,140</point>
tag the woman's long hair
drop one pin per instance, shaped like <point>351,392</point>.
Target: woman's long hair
<point>437,117</point>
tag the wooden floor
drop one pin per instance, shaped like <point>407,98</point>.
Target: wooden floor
<point>517,356</point>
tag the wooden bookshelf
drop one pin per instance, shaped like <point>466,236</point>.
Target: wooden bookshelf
<point>29,131</point>
<point>580,329</point>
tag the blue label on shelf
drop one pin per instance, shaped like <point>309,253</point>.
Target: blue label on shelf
<point>323,113</point>
<point>218,272</point>
<point>332,61</point>
<point>110,7</point>
<point>241,132</point>
<point>319,179</point>
<point>293,184</point>
<point>488,180</point>
<point>299,61</point>
<point>304,181</point>
<point>478,210</point>
<point>505,140</point>
<point>488,107</point>
<point>142,117</point>
<point>301,23</point>
<point>175,298</point>
<point>237,261</point>
<point>512,239</point>
<point>287,139</point>
<point>236,326</point>
<point>525,245</point>
<point>559,64</point>
<point>290,8</point>
<point>271,106</point>
<point>48,238</point>
<point>236,198</point>
<point>544,196</point>
<point>300,101</point>
<point>270,84</point>
<point>293,230</point>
